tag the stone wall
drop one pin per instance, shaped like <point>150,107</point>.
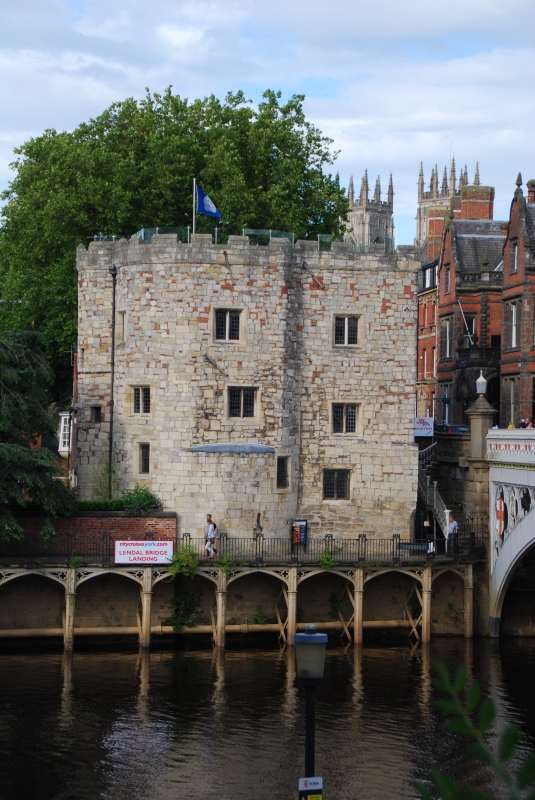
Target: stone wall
<point>167,294</point>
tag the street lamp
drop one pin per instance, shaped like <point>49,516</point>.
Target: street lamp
<point>310,660</point>
<point>481,383</point>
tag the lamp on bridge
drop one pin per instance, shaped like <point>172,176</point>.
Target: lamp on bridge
<point>481,383</point>
<point>310,660</point>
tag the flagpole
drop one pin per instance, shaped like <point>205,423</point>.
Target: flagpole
<point>194,203</point>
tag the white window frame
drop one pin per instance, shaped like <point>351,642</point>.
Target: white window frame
<point>65,432</point>
<point>514,325</point>
<point>447,278</point>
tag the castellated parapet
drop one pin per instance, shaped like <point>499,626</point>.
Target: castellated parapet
<point>288,378</point>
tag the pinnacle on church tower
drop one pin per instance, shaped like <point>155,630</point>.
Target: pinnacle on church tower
<point>434,182</point>
<point>390,197</point>
<point>476,176</point>
<point>377,193</point>
<point>444,188</point>
<point>351,193</point>
<point>421,181</point>
<point>453,178</point>
<point>364,190</point>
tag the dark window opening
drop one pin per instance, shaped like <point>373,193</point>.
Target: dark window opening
<point>144,458</point>
<point>496,340</point>
<point>227,325</point>
<point>344,418</point>
<point>336,484</point>
<point>282,473</point>
<point>241,402</point>
<point>346,330</point>
<point>96,414</point>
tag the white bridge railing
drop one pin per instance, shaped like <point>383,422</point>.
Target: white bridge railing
<point>511,446</point>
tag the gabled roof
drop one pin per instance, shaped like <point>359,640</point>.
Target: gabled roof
<point>475,242</point>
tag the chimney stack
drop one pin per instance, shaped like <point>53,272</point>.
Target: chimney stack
<point>477,202</point>
<point>531,191</point>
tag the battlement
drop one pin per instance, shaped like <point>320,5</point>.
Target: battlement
<point>167,248</point>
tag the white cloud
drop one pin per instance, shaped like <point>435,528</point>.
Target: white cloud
<point>392,83</point>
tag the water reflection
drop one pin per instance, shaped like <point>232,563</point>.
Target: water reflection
<point>229,725</point>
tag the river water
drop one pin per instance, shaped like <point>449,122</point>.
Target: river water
<point>186,725</point>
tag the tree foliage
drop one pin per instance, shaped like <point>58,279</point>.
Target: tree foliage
<point>132,167</point>
<point>473,717</point>
<point>27,472</point>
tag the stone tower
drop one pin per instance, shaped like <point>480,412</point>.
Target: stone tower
<point>433,204</point>
<point>369,220</point>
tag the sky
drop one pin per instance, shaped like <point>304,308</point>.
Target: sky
<point>393,83</point>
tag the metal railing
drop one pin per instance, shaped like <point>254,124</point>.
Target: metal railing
<point>329,550</point>
<point>33,552</point>
<point>427,456</point>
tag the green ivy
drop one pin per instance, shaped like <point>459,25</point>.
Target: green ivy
<point>184,562</point>
<point>187,609</point>
<point>326,560</point>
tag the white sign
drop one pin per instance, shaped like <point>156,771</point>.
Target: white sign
<point>143,552</point>
<point>423,426</point>
<point>310,783</point>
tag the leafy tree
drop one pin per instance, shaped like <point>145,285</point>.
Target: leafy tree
<point>133,167</point>
<point>27,472</point>
<point>472,718</point>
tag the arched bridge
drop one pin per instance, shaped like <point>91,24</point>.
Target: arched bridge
<point>512,511</point>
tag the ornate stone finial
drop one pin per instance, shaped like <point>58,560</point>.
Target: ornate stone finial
<point>351,192</point>
<point>476,176</point>
<point>519,180</point>
<point>377,193</point>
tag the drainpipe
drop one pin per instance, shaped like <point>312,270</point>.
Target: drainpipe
<point>113,273</point>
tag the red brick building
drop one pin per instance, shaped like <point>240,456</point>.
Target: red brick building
<point>469,286</point>
<point>426,383</point>
<point>518,302</point>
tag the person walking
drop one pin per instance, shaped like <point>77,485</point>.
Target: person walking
<point>209,537</point>
<point>453,530</point>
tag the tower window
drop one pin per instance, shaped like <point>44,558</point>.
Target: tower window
<point>336,484</point>
<point>227,325</point>
<point>241,402</point>
<point>282,472</point>
<point>141,400</point>
<point>345,330</point>
<point>144,459</point>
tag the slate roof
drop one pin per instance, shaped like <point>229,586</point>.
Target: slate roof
<point>477,241</point>
<point>530,223</point>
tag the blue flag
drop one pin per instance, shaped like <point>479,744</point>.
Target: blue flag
<point>205,205</point>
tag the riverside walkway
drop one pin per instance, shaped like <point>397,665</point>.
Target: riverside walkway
<point>72,560</point>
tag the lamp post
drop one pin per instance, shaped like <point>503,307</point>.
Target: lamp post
<point>310,660</point>
<point>481,383</point>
